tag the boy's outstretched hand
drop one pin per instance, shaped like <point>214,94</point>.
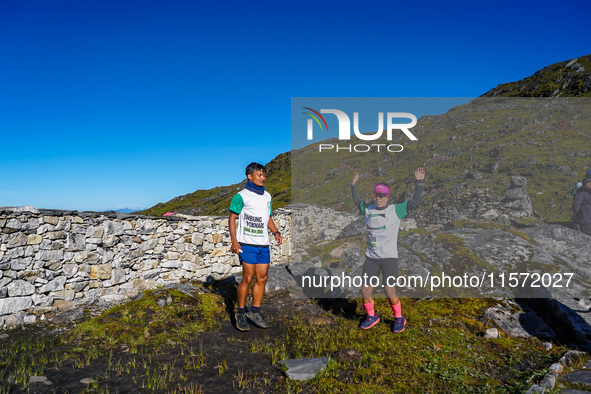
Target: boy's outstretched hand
<point>356,178</point>
<point>419,174</point>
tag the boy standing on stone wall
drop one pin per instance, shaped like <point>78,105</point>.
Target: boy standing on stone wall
<point>250,241</point>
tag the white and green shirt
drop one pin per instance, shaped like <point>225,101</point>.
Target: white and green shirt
<point>253,212</point>
<point>382,229</point>
<point>383,224</point>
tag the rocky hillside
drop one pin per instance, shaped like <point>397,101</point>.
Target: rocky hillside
<point>571,78</point>
<point>472,149</point>
<point>545,266</point>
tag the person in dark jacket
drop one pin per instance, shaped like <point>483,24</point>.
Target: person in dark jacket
<point>580,184</point>
<point>582,206</point>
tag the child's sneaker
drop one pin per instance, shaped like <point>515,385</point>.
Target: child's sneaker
<point>399,324</point>
<point>370,321</point>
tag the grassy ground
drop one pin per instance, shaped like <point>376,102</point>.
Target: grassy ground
<point>441,350</point>
<point>169,340</point>
<point>190,345</point>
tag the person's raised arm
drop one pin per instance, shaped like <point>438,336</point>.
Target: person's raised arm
<point>419,184</point>
<point>356,197</point>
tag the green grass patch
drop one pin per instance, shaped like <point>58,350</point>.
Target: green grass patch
<point>157,317</point>
<point>137,331</point>
<point>441,350</point>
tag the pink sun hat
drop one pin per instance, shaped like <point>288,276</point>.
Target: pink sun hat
<point>382,189</point>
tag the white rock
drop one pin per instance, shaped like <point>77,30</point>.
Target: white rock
<point>113,298</point>
<point>492,213</point>
<point>197,238</point>
<point>70,270</point>
<point>54,285</point>
<point>115,228</point>
<point>30,319</point>
<point>14,304</point>
<point>42,300</point>
<point>118,276</point>
<point>20,288</point>
<point>46,255</point>
<point>40,379</point>
<point>492,333</point>
<point>13,321</point>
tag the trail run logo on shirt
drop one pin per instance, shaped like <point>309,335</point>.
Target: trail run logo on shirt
<point>253,225</point>
<point>345,130</point>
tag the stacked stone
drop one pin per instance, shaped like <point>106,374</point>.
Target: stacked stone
<point>53,260</point>
<point>473,205</point>
<point>516,199</point>
<point>313,223</point>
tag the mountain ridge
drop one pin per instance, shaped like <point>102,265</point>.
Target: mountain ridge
<point>570,78</point>
<point>462,154</point>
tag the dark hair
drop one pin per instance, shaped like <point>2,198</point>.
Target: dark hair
<point>252,167</point>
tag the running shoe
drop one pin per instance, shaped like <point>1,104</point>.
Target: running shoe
<point>241,322</point>
<point>258,319</point>
<point>399,324</point>
<point>370,321</point>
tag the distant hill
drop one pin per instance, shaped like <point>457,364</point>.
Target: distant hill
<point>216,201</point>
<point>571,78</point>
<point>125,210</point>
<point>478,145</point>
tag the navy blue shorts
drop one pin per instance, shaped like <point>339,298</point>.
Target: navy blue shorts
<point>255,254</point>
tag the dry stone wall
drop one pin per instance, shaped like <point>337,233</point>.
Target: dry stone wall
<point>51,261</point>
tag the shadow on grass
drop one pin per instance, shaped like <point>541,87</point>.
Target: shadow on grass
<point>228,290</point>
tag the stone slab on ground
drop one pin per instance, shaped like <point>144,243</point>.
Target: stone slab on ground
<point>70,316</point>
<point>305,369</point>
<point>520,322</point>
<point>40,379</point>
<point>581,376</point>
<point>535,389</point>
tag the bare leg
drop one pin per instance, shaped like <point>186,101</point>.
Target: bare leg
<point>367,294</point>
<point>258,289</point>
<point>391,293</point>
<point>248,271</point>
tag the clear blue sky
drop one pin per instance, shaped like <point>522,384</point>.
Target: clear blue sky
<point>107,104</point>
